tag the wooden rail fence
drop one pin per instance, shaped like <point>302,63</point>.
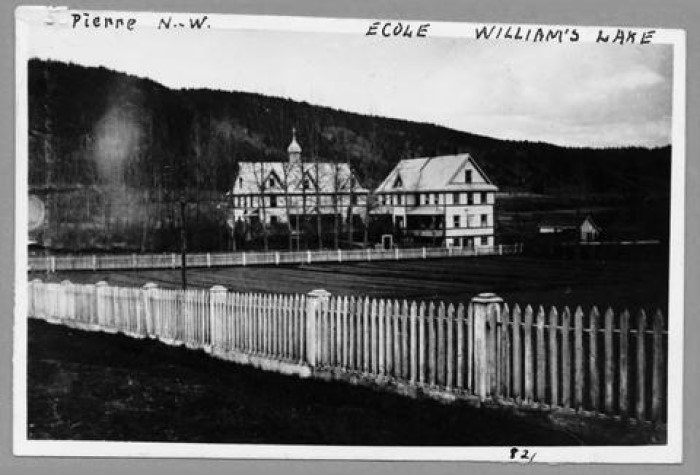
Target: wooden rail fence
<point>601,363</point>
<point>227,259</point>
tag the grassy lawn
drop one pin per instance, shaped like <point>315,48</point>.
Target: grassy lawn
<point>618,283</point>
<point>94,386</point>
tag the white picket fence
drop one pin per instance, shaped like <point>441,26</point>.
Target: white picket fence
<point>484,351</point>
<point>96,262</point>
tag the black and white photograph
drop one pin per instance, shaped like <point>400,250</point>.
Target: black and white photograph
<point>321,238</point>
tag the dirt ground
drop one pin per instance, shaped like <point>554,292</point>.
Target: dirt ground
<point>94,386</point>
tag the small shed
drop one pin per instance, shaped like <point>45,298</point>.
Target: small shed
<point>585,230</point>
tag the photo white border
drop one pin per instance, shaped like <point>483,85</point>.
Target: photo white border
<point>669,453</point>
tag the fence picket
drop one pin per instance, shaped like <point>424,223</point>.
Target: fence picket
<point>441,320</point>
<point>432,346</point>
<point>594,392</point>
<point>450,347</point>
<point>528,357</point>
<point>623,366</point>
<point>640,408</point>
<point>507,325</point>
<point>460,347</point>
<point>553,360</point>
<point>422,346</point>
<point>517,356</point>
<point>540,357</point>
<point>578,358</point>
<point>401,331</point>
<point>565,358</point>
<point>609,373</point>
<point>658,364</point>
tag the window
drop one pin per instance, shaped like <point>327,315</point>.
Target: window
<point>484,220</point>
<point>273,201</point>
<point>240,182</point>
<point>484,197</point>
<point>467,176</point>
<point>433,198</point>
<point>353,199</point>
<point>484,240</point>
<point>470,198</point>
<point>424,199</point>
<point>398,183</point>
<point>400,199</point>
<point>271,183</point>
<point>273,219</point>
<point>305,184</point>
<point>455,221</point>
<point>455,198</point>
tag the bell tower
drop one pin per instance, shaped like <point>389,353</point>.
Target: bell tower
<point>294,149</point>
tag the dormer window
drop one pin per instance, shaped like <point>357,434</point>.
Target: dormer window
<point>240,182</point>
<point>467,176</point>
<point>271,182</point>
<point>398,183</point>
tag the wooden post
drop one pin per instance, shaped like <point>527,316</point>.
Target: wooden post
<point>308,257</point>
<point>482,305</point>
<point>316,300</point>
<point>424,253</point>
<point>340,255</point>
<point>243,259</point>
<point>94,262</point>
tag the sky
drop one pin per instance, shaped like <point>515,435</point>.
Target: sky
<point>578,94</point>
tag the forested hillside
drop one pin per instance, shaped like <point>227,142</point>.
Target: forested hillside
<point>129,146</point>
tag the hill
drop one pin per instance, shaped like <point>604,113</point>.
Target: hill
<point>107,143</point>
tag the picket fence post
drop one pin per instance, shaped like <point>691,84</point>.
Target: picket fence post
<point>100,288</point>
<point>149,289</point>
<point>315,301</point>
<point>483,304</point>
<point>217,314</point>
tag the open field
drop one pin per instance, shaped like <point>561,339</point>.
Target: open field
<point>518,279</point>
<point>97,386</point>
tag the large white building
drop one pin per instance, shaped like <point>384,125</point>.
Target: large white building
<point>445,200</point>
<point>284,192</point>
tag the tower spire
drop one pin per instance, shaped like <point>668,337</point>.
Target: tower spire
<point>294,149</point>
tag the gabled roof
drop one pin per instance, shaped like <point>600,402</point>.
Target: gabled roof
<point>443,173</point>
<point>331,177</point>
